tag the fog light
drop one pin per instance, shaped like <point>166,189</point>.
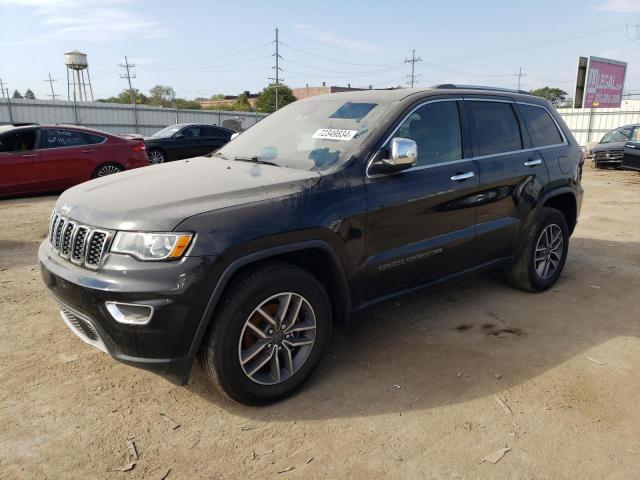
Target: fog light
<point>130,313</point>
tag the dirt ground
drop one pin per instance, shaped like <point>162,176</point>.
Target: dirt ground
<point>419,388</point>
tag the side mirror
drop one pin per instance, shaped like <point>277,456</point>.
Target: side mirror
<point>404,154</point>
<point>179,135</point>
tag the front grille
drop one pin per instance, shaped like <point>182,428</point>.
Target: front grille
<point>609,155</point>
<point>96,247</point>
<point>82,244</point>
<point>82,327</point>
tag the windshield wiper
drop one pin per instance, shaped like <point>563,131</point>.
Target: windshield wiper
<point>255,160</point>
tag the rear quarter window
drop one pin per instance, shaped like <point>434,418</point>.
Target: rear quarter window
<point>541,127</point>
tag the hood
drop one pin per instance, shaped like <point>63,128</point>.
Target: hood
<point>604,147</point>
<point>158,197</point>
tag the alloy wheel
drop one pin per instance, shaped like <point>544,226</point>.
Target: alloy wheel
<point>108,170</point>
<point>277,338</point>
<point>156,157</point>
<point>548,252</point>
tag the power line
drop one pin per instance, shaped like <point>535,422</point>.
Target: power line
<point>51,80</point>
<point>340,61</point>
<point>128,76</point>
<point>413,61</point>
<point>336,71</point>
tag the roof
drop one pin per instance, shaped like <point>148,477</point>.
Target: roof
<point>398,94</point>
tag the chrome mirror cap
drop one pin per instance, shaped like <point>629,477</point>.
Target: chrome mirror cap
<point>404,154</point>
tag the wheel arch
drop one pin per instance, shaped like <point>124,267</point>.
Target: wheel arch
<point>565,201</point>
<point>316,256</point>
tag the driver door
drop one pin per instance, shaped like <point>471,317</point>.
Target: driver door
<point>631,158</point>
<point>19,163</point>
<point>421,221</point>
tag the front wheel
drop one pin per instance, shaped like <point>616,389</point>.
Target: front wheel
<point>268,334</point>
<point>542,254</point>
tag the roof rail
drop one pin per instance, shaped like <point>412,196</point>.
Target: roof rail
<point>478,87</point>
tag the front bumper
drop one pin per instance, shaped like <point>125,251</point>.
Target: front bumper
<point>178,291</point>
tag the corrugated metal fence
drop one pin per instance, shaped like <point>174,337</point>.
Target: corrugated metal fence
<point>113,117</point>
<point>589,125</point>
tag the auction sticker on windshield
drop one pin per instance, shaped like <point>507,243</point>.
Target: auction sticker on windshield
<point>334,134</point>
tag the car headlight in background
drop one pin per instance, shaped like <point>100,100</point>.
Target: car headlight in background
<point>151,246</point>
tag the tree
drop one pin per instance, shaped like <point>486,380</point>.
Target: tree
<point>125,97</point>
<point>187,104</point>
<point>29,94</point>
<point>266,101</point>
<point>162,95</point>
<point>17,94</point>
<point>242,103</point>
<point>556,96</point>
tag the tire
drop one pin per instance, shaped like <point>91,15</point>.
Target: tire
<point>156,156</point>
<point>527,273</point>
<point>229,340</point>
<point>107,169</point>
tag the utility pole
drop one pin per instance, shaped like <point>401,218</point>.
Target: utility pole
<point>413,61</point>
<point>277,79</point>
<point>128,76</point>
<point>2,88</point>
<point>520,76</point>
<point>51,80</point>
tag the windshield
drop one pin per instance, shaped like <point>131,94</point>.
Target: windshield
<point>166,132</point>
<point>311,135</point>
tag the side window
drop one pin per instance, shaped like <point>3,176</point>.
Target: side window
<point>495,127</point>
<point>56,138</point>
<point>541,127</point>
<point>435,127</point>
<point>635,137</point>
<point>212,132</point>
<point>93,139</point>
<point>191,132</point>
<point>18,141</point>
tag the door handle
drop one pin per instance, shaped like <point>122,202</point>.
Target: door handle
<point>463,176</point>
<point>632,146</point>
<point>30,155</point>
<point>88,151</point>
<point>532,163</point>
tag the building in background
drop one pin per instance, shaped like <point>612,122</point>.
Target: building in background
<point>306,92</point>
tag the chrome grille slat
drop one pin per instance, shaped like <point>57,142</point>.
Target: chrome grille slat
<point>81,244</point>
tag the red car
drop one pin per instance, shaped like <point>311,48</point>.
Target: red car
<point>48,158</point>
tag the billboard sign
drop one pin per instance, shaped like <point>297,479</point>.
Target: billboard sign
<point>604,83</point>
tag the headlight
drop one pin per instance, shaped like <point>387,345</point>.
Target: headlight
<point>151,246</point>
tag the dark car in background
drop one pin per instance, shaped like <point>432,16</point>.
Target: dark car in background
<point>47,158</point>
<point>185,140</point>
<point>609,152</point>
<point>631,158</point>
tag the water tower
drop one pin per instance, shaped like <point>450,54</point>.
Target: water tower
<point>76,63</point>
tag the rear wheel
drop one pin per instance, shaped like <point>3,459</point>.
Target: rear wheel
<point>542,254</point>
<point>268,334</point>
<point>156,156</point>
<point>107,169</point>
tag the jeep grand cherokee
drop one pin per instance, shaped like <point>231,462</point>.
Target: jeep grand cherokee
<point>245,258</point>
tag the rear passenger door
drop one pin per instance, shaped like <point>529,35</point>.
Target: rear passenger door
<point>66,157</point>
<point>512,175</point>
<point>213,138</point>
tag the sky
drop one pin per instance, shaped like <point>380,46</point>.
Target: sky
<point>202,48</point>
